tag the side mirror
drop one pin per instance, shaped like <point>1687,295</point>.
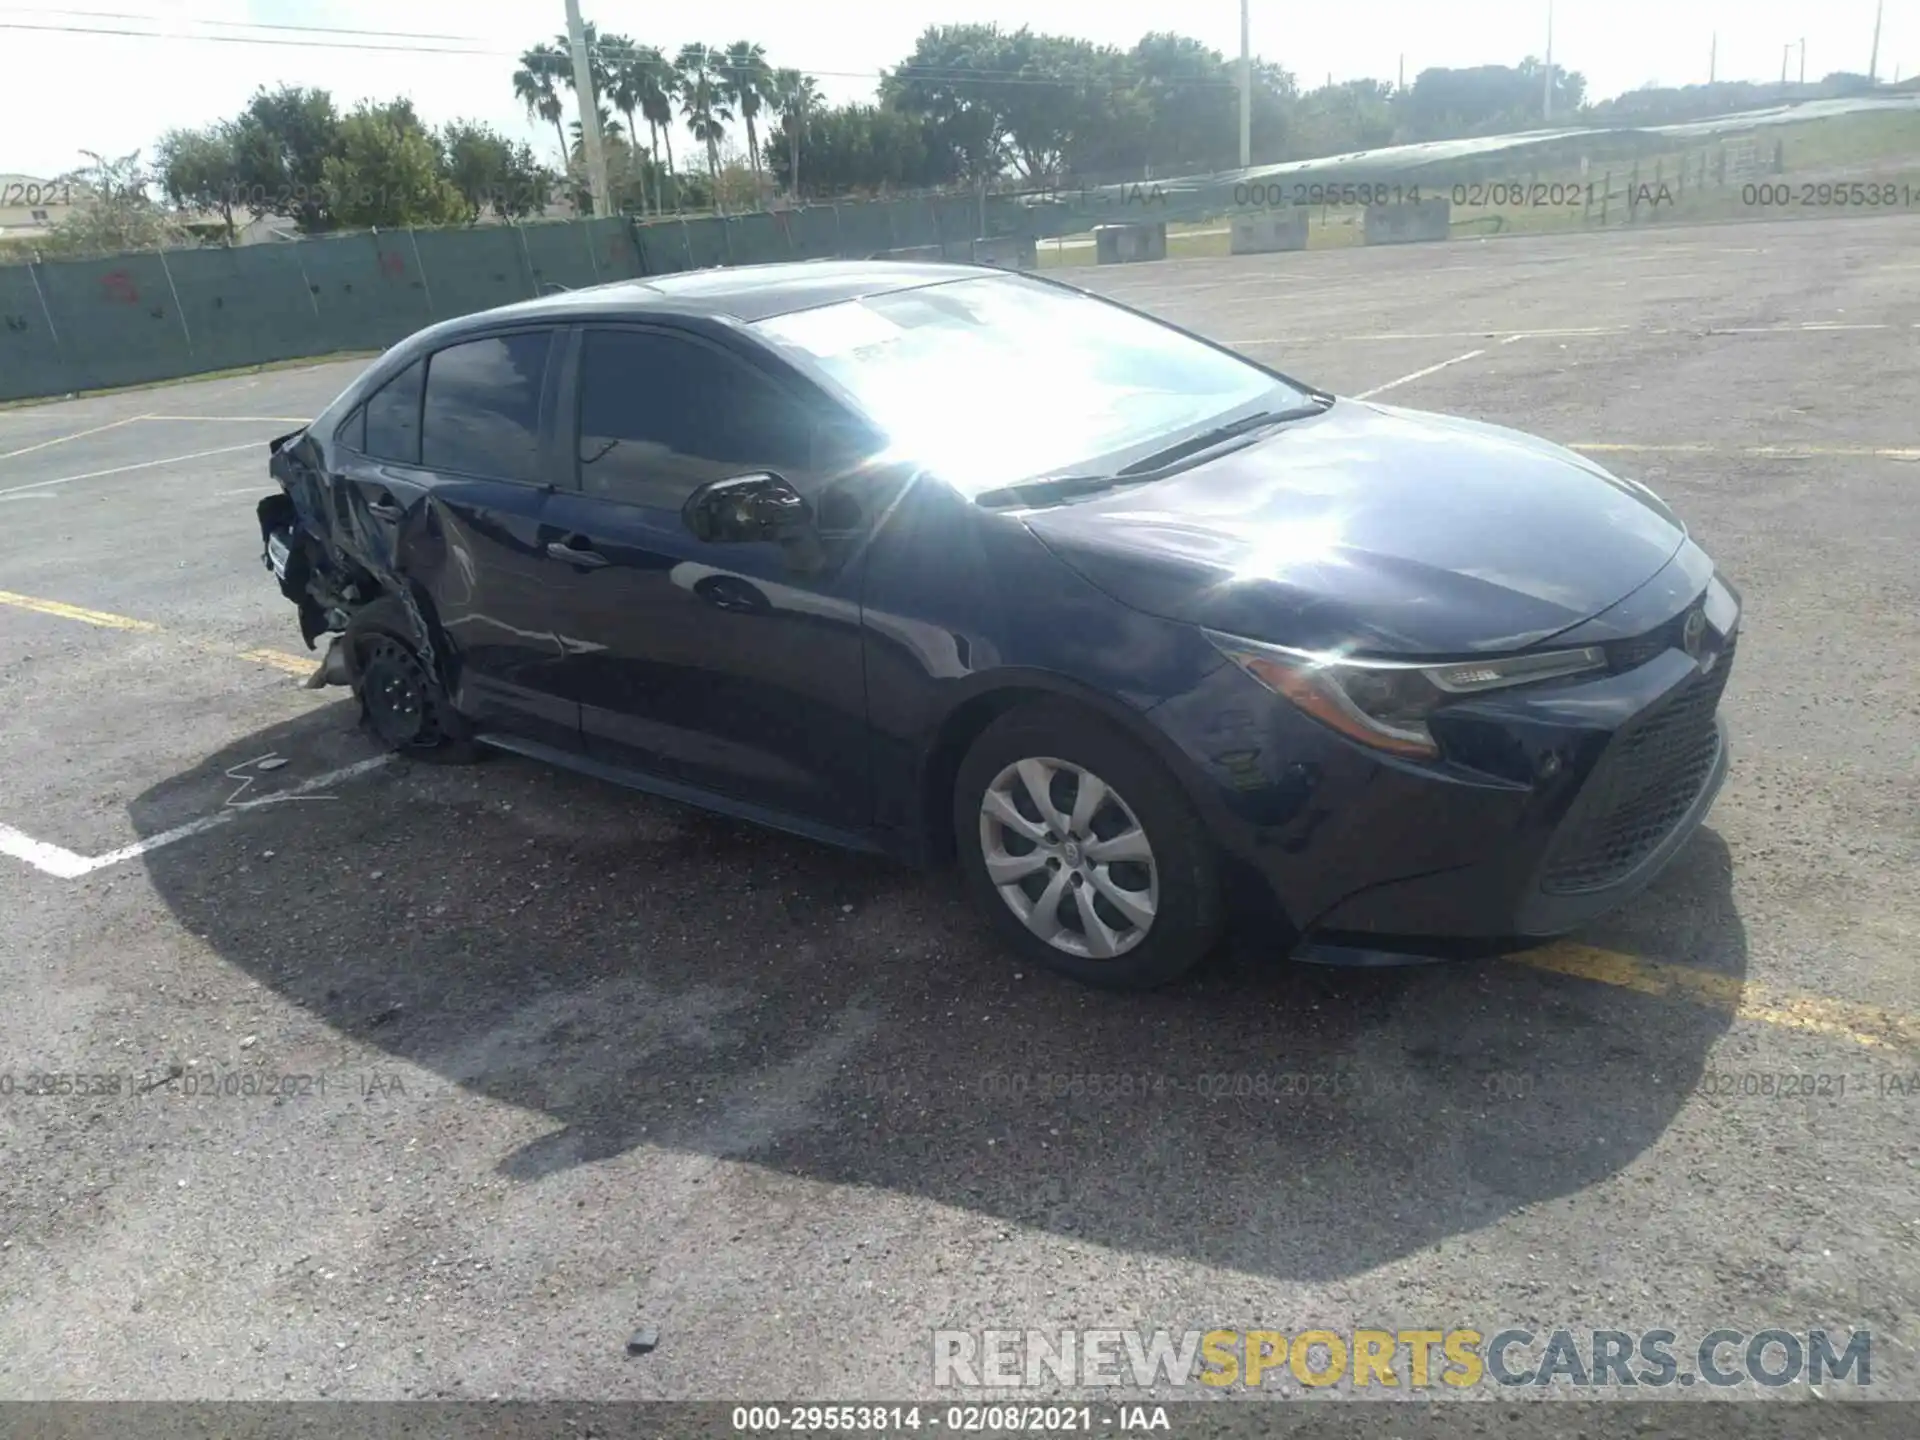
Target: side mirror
<point>744,509</point>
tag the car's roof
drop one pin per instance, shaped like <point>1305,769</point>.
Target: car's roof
<point>742,292</point>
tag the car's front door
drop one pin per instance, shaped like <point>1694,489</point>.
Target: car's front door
<point>735,668</point>
<point>448,471</point>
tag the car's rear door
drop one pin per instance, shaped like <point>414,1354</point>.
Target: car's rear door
<point>732,668</point>
<point>447,470</point>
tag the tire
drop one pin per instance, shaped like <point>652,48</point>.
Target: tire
<point>1133,946</point>
<point>401,703</point>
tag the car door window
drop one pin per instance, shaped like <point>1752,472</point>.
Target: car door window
<point>353,431</point>
<point>393,417</point>
<point>661,415</point>
<point>482,413</point>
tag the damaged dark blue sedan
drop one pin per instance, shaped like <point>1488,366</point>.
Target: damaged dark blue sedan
<point>941,562</point>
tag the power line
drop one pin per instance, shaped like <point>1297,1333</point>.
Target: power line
<point>247,40</point>
<point>952,75</point>
<point>238,24</point>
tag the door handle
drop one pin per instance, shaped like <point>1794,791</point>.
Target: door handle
<point>386,510</point>
<point>588,559</point>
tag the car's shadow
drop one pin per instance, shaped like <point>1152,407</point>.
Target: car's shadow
<point>644,974</point>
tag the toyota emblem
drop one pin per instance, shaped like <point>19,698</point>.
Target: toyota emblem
<point>1694,633</point>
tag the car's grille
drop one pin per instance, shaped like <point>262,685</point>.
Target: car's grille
<point>1645,783</point>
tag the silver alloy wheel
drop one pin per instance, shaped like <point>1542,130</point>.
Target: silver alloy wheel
<point>1052,832</point>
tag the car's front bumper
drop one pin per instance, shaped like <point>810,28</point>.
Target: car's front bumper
<point>1557,804</point>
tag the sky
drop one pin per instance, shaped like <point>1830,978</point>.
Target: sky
<point>62,93</point>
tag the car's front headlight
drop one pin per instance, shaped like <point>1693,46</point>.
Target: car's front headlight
<point>1385,703</point>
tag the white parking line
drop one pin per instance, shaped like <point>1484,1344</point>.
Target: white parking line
<point>66,865</point>
<point>77,435</point>
<point>124,469</point>
<point>1418,374</point>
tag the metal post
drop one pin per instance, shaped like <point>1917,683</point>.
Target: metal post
<point>421,266</point>
<point>173,290</point>
<point>1246,90</point>
<point>1873,59</point>
<point>589,108</point>
<point>52,329</point>
<point>1713,58</point>
<point>533,276</point>
<point>306,282</point>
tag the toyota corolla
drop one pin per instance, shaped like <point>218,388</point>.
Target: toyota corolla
<point>940,562</point>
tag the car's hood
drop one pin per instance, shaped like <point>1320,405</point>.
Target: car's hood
<point>1378,530</point>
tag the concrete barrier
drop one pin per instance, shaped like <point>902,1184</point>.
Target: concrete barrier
<point>1009,252</point>
<point>1123,244</point>
<point>1401,224</point>
<point>1265,231</point>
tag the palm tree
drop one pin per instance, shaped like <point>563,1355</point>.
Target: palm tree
<point>536,84</point>
<point>793,94</point>
<point>624,88</point>
<point>659,85</point>
<point>703,103</point>
<point>748,83</point>
<point>610,134</point>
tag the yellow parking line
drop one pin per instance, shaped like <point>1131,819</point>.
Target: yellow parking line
<point>74,612</point>
<point>1743,999</point>
<point>107,620</point>
<point>1761,451</point>
<point>281,660</point>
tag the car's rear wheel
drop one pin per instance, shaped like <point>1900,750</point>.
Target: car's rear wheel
<point>1084,851</point>
<point>400,700</point>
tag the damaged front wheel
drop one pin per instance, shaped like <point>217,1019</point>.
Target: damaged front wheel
<point>400,700</point>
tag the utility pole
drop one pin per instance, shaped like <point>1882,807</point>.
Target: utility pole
<point>1246,90</point>
<point>1713,58</point>
<point>1402,83</point>
<point>1873,60</point>
<point>1785,51</point>
<point>1546,93</point>
<point>1803,59</point>
<point>589,109</point>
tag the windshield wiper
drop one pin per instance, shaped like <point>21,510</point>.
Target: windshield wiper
<point>1044,489</point>
<point>1207,439</point>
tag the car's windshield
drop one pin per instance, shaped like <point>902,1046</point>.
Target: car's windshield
<point>996,380</point>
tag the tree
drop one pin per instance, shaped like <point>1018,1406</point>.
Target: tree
<point>793,95</point>
<point>702,101</point>
<point>862,149</point>
<point>1189,91</point>
<point>610,134</point>
<point>493,173</point>
<point>659,86</point>
<point>282,142</point>
<point>953,80</point>
<point>748,84</point>
<point>121,215</point>
<point>536,84</point>
<point>390,172</point>
<point>626,85</point>
<point>198,170</point>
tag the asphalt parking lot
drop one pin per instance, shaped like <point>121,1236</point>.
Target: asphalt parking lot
<point>458,1076</point>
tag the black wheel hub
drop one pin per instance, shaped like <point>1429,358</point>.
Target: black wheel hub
<point>397,695</point>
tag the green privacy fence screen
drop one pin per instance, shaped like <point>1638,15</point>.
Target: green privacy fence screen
<point>73,325</point>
